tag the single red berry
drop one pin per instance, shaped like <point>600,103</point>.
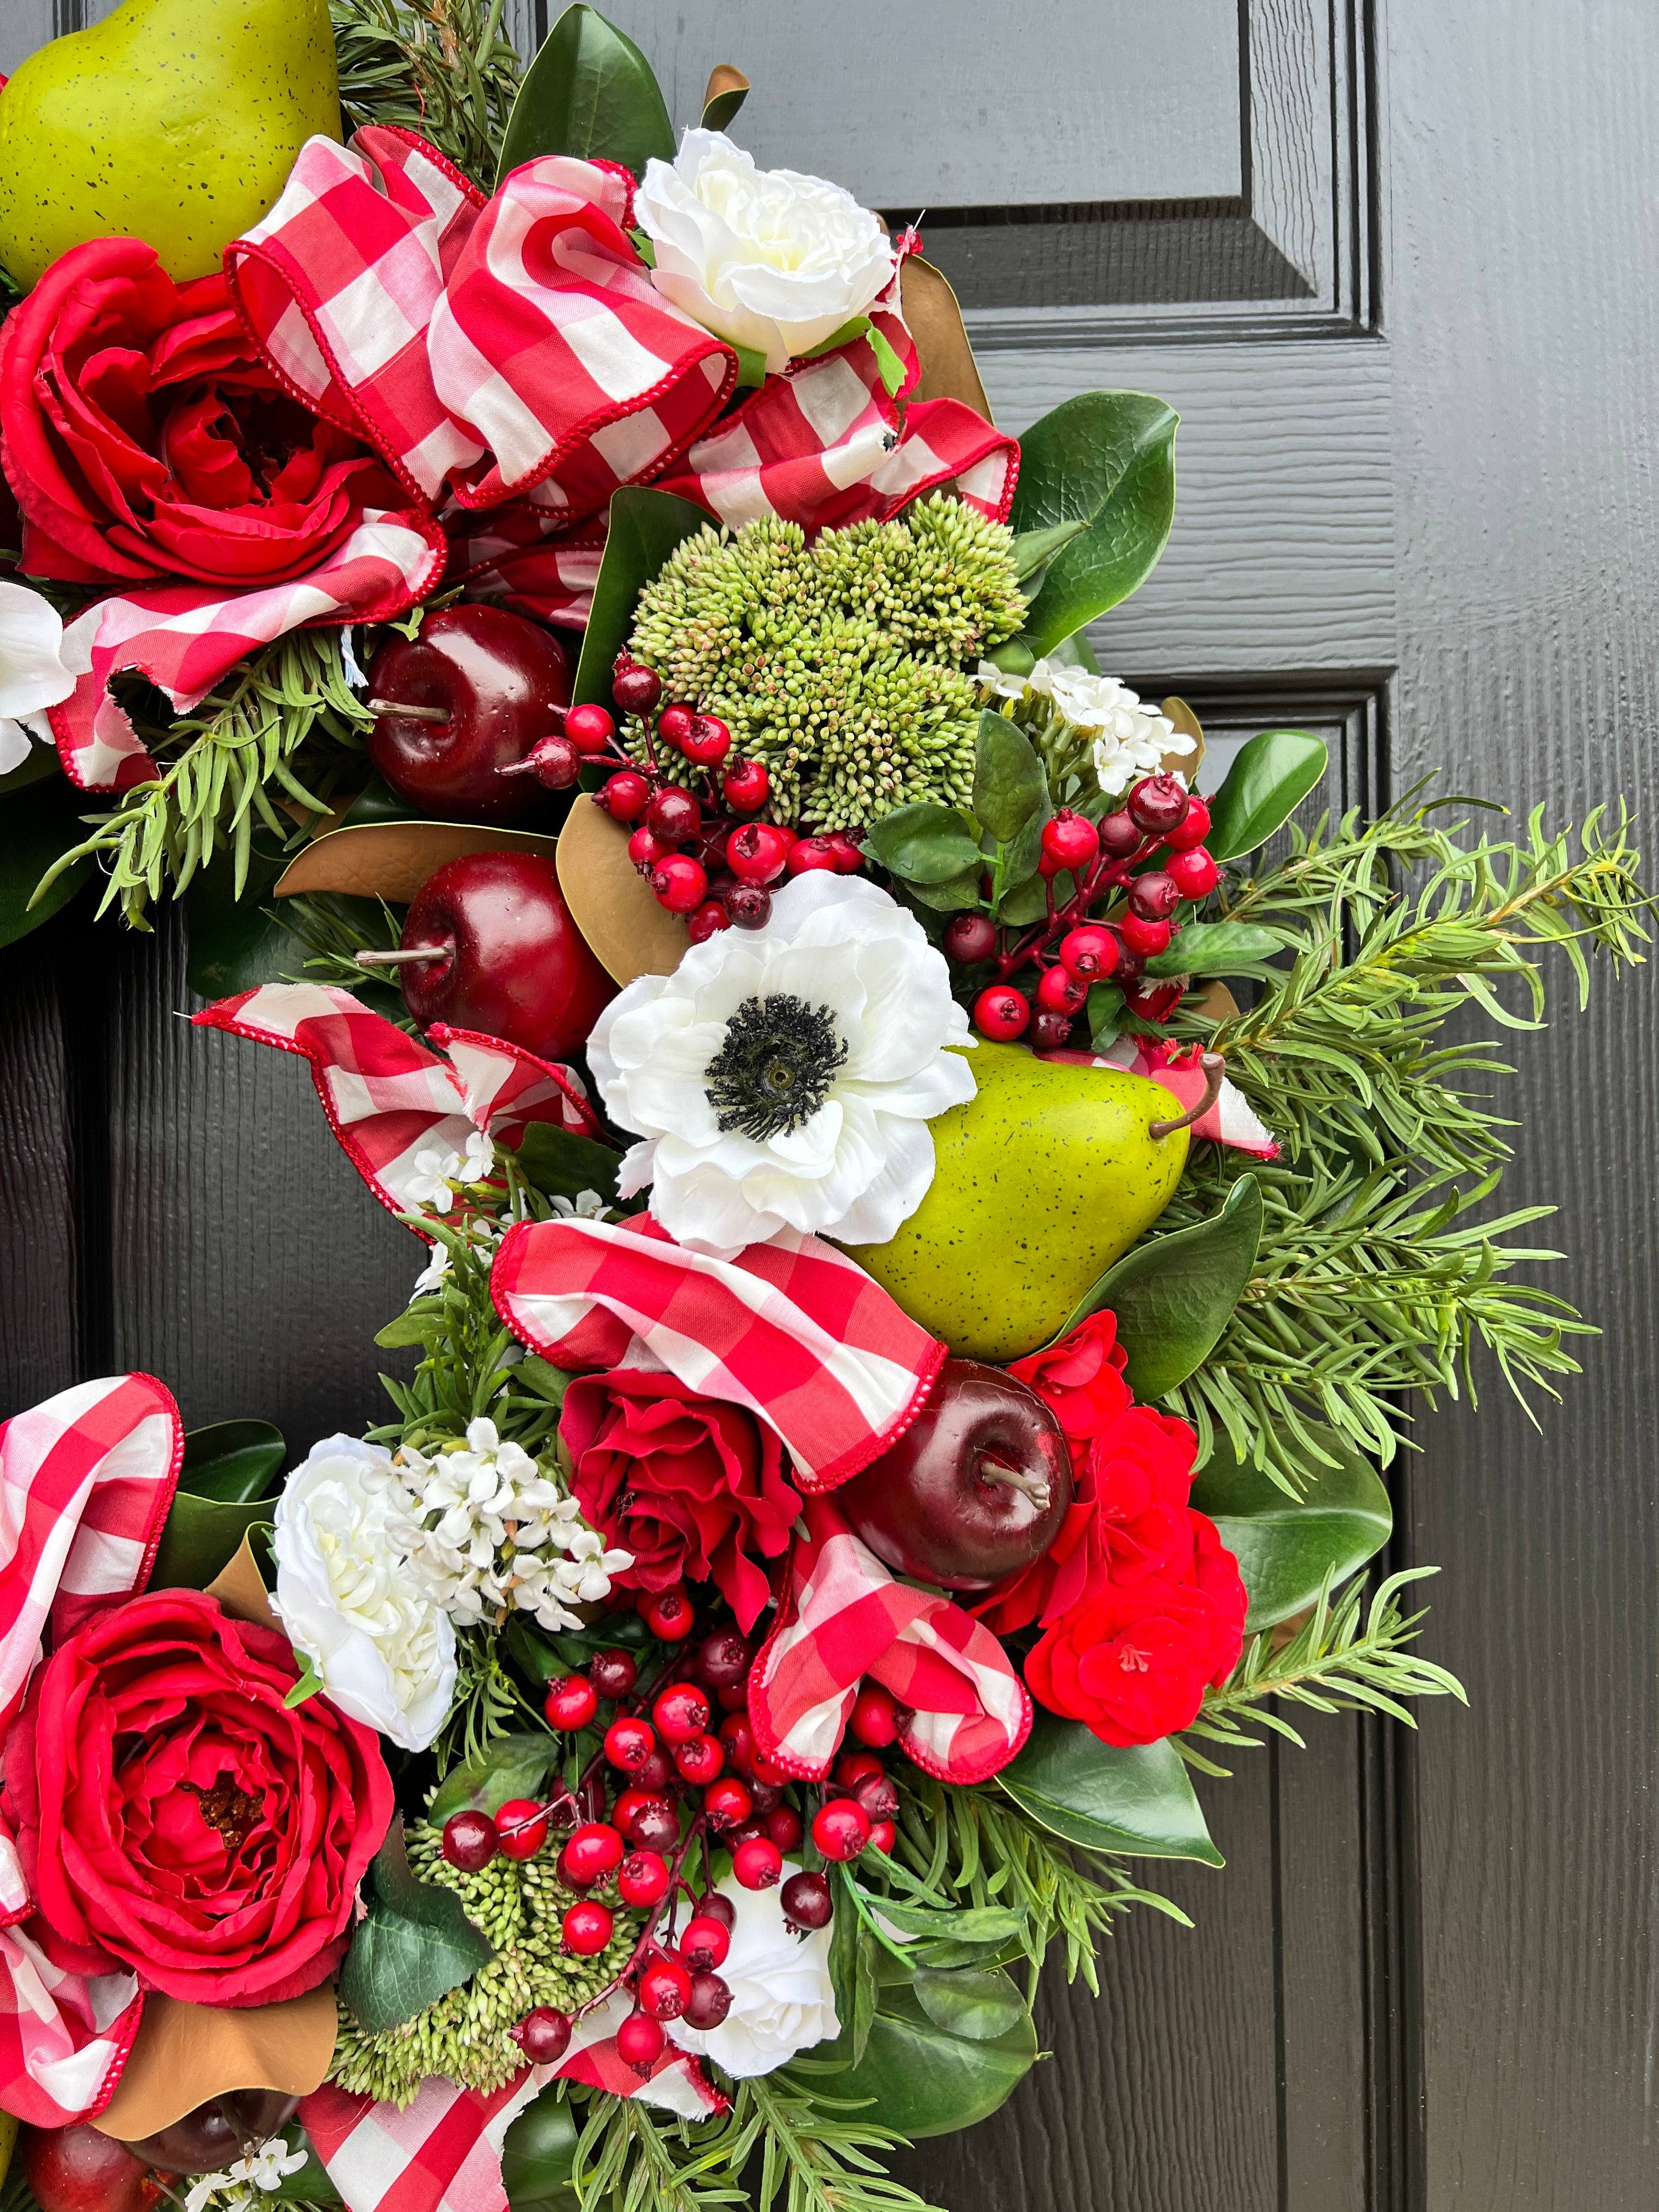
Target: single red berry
<point>665,1987</point>
<point>765,1797</point>
<point>668,1614</point>
<point>874,1718</point>
<point>811,854</point>
<point>1120,834</point>
<point>1159,803</point>
<point>849,857</point>
<point>1144,937</point>
<point>612,1673</point>
<point>673,817</point>
<point>1000,1012</point>
<point>1060,992</point>
<point>852,1766</point>
<point>748,788</point>
<point>646,849</point>
<point>806,1901</point>
<point>626,797</point>
<point>1129,962</point>
<point>726,1803</point>
<point>705,1943</point>
<point>841,1829</point>
<point>707,920</point>
<point>738,1739</point>
<point>748,906</point>
<point>732,1697</point>
<point>674,723</point>
<point>709,2002</point>
<point>635,689</point>
<point>767,1771</point>
<point>783,1826</point>
<point>1155,896</point>
<point>629,1744</point>
<point>554,761</point>
<point>757,1863</point>
<point>1088,953</point>
<point>1194,873</point>
<point>709,742</point>
<point>1069,841</point>
<point>700,1760</point>
<point>751,1831</point>
<point>681,1713</point>
<point>590,729</point>
<point>544,2035</point>
<point>969,938</point>
<point>656,1775</point>
<point>586,1928</point>
<point>757,853</point>
<point>628,1802</point>
<point>594,1850</point>
<point>640,2043</point>
<point>679,883</point>
<point>1192,831</point>
<point>656,1826</point>
<point>711,1906</point>
<point>643,1878</point>
<point>876,1795</point>
<point>471,1841</point>
<point>884,1835</point>
<point>724,1659</point>
<point>1050,1031</point>
<point>521,1824</point>
<point>572,1702</point>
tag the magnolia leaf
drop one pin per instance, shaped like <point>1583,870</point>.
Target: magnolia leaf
<point>1009,783</point>
<point>1105,461</point>
<point>234,944</point>
<point>1288,1548</point>
<point>1266,784</point>
<point>415,1946</point>
<point>589,91</point>
<point>37,765</point>
<point>1138,1801</point>
<point>391,861</point>
<point>36,826</point>
<point>200,1538</point>
<point>645,528</point>
<point>514,1766</point>
<point>727,90</point>
<point>564,1165</point>
<point>1174,1295</point>
<point>538,2155</point>
<point>980,2006</point>
<point>234,1461</point>
<point>925,843</point>
<point>1215,948</point>
<point>921,2080</point>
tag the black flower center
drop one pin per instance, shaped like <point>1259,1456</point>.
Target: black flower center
<point>774,1067</point>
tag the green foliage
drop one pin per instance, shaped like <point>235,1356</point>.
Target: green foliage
<point>589,92</point>
<point>1271,777</point>
<point>414,1945</point>
<point>235,1462</point>
<point>1096,499</point>
<point>1135,1799</point>
<point>438,67</point>
<point>40,823</point>
<point>643,527</point>
<point>1289,1549</point>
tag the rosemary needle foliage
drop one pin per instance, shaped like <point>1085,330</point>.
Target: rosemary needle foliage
<point>438,67</point>
<point>282,727</point>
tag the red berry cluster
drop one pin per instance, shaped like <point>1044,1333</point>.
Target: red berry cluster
<point>700,856</point>
<point>1159,815</point>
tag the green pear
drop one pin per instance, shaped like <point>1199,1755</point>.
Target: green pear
<point>176,121</point>
<point>1045,1178</point>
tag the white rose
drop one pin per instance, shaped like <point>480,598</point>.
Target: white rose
<point>349,1599</point>
<point>772,260</point>
<point>782,1999</point>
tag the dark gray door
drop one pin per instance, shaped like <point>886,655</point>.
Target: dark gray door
<point>1397,270</point>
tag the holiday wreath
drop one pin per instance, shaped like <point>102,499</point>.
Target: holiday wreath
<point>934,1228</point>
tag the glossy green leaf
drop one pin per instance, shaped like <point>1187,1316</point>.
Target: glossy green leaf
<point>1137,1801</point>
<point>1215,948</point>
<point>1271,777</point>
<point>721,111</point>
<point>514,1766</point>
<point>40,761</point>
<point>200,1537</point>
<point>234,1461</point>
<point>1174,1295</point>
<point>1287,1546</point>
<point>415,1946</point>
<point>969,1923</point>
<point>538,2155</point>
<point>589,91</point>
<point>645,528</point>
<point>980,2006</point>
<point>1105,460</point>
<point>951,895</point>
<point>1105,1012</point>
<point>37,824</point>
<point>564,1164</point>
<point>924,844</point>
<point>921,2080</point>
<point>234,944</point>
<point>1009,784</point>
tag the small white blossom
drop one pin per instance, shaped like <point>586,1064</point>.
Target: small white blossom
<point>480,1158</point>
<point>428,1187</point>
<point>588,1205</point>
<point>479,1230</point>
<point>996,680</point>
<point>244,2185</point>
<point>1131,739</point>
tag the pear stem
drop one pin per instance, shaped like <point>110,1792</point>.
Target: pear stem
<point>1214,1065</point>
<point>401,959</point>
<point>1034,1486</point>
<point>409,713</point>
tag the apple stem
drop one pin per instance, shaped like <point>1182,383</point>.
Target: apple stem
<point>400,959</point>
<point>409,713</point>
<point>1212,1064</point>
<point>1034,1486</point>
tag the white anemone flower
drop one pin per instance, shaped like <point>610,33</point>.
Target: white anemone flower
<point>783,1078</point>
<point>32,675</point>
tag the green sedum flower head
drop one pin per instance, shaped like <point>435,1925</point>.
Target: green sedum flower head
<point>468,2034</point>
<point>845,665</point>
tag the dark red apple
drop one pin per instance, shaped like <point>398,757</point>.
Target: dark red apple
<point>81,2170</point>
<point>225,2128</point>
<point>506,958</point>
<point>480,686</point>
<point>975,1488</point>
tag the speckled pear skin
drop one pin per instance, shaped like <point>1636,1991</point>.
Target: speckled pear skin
<point>1044,1179</point>
<point>176,121</point>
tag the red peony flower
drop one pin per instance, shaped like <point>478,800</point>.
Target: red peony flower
<point>692,1486</point>
<point>1132,1663</point>
<point>1081,1377</point>
<point>144,435</point>
<point>174,1817</point>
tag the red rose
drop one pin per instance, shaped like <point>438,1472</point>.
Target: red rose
<point>144,435</point>
<point>691,1486</point>
<point>174,1818</point>
<point>1081,1377</point>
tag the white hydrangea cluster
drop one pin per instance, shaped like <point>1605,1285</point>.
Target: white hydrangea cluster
<point>495,1534</point>
<point>1130,739</point>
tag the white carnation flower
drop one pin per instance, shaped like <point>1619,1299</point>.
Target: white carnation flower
<point>784,1077</point>
<point>32,675</point>
<point>768,258</point>
<point>782,1998</point>
<point>383,1649</point>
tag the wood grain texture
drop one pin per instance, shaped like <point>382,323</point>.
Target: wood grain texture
<point>37,1264</point>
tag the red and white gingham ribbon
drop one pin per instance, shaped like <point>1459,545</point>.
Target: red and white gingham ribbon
<point>388,1099</point>
<point>86,1480</point>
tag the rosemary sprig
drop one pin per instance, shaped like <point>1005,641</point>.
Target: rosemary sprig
<point>438,67</point>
